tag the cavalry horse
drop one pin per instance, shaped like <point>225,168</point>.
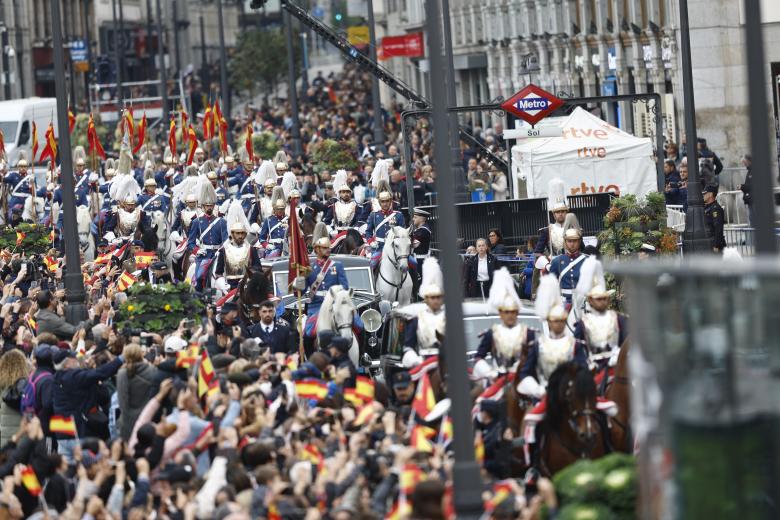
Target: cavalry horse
<point>84,226</point>
<point>619,392</point>
<point>394,282</point>
<point>253,289</point>
<point>572,428</point>
<point>337,314</point>
<point>348,242</point>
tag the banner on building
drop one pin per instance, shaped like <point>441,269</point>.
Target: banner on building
<point>406,46</point>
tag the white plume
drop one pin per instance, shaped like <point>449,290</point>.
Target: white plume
<point>548,295</point>
<point>432,278</point>
<point>503,289</point>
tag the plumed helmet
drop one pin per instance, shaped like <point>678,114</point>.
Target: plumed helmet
<point>167,156</point>
<point>556,196</point>
<point>109,168</point>
<point>280,204</point>
<point>79,156</point>
<point>278,196</point>
<point>208,196</point>
<point>243,155</point>
<point>125,158</point>
<point>212,175</point>
<point>571,227</point>
<point>21,161</point>
<point>289,183</point>
<point>150,182</point>
<point>191,198</point>
<point>280,157</point>
<point>432,279</point>
<point>148,173</point>
<point>129,200</point>
<point>503,296</point>
<point>549,304</point>
<point>320,236</point>
<point>191,171</point>
<point>381,172</point>
<point>385,195</point>
<point>265,174</point>
<point>383,186</point>
<point>237,226</point>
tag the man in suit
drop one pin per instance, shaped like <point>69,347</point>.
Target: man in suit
<point>275,334</point>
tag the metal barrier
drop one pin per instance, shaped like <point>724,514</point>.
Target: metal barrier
<point>741,238</point>
<point>675,217</point>
<point>520,219</point>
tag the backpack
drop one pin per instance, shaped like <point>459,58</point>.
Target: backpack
<point>12,396</point>
<point>28,401</point>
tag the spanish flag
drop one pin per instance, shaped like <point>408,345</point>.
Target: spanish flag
<point>34,142</point>
<point>311,389</point>
<point>2,144</point>
<point>424,400</point>
<point>445,431</point>
<point>50,150</point>
<point>206,374</point>
<point>401,510</point>
<point>479,448</point>
<point>103,259</point>
<point>141,135</point>
<point>129,122</point>
<point>411,475</point>
<point>71,120</point>
<point>172,138</point>
<point>365,415</point>
<point>51,263</point>
<point>312,454</point>
<point>63,425</point>
<point>95,147</point>
<point>192,139</point>
<point>364,388</point>
<point>501,491</point>
<point>420,438</point>
<point>188,357</point>
<point>51,236</point>
<point>144,259</point>
<point>30,481</point>
<point>208,123</point>
<point>291,363</point>
<point>19,238</point>
<point>350,395</point>
<point>273,512</point>
<point>125,281</point>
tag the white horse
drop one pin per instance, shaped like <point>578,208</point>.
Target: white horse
<point>394,282</point>
<point>86,243</point>
<point>165,246</point>
<point>337,313</point>
<point>30,215</point>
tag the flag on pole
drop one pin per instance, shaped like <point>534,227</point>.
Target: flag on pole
<point>208,123</point>
<point>129,123</point>
<point>299,254</point>
<point>365,415</point>
<point>421,438</point>
<point>2,144</point>
<point>250,147</point>
<point>30,481</point>
<point>188,357</point>
<point>63,425</point>
<point>51,263</point>
<point>34,141</point>
<point>192,139</point>
<point>144,259</point>
<point>312,454</point>
<point>50,150</point>
<point>71,120</point>
<point>172,137</point>
<point>20,237</point>
<point>94,141</point>
<point>350,396</point>
<point>364,388</point>
<point>311,389</point>
<point>206,374</point>
<point>141,135</point>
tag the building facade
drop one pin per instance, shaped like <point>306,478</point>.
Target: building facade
<point>586,48</point>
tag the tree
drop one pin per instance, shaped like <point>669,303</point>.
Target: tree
<point>259,62</point>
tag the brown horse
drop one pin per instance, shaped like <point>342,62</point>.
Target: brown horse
<point>572,428</point>
<point>619,392</point>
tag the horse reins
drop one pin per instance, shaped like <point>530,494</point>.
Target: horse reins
<point>395,261</point>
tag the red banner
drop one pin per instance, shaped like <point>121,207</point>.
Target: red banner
<point>406,46</point>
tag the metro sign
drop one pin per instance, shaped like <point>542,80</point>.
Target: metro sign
<point>532,104</point>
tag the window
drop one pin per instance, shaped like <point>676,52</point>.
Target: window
<point>24,134</point>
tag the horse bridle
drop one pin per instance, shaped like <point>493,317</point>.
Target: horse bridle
<point>588,413</point>
<point>395,261</point>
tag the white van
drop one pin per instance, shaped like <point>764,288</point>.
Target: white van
<point>16,119</point>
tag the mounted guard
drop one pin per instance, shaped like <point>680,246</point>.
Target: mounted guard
<point>236,254</point>
<point>206,236</point>
<point>420,337</point>
<point>274,229</point>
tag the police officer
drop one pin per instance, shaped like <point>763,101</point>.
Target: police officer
<point>379,224</point>
<point>273,231</point>
<point>421,234</point>
<point>344,369</point>
<point>150,200</point>
<point>272,332</point>
<point>207,234</point>
<point>713,218</point>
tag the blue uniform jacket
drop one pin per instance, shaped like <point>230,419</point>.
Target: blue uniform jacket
<point>375,228</point>
<point>567,277</point>
<point>273,231</point>
<point>335,276</point>
<point>150,202</point>
<point>211,241</point>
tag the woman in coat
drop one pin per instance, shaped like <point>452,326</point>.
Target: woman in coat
<point>499,185</point>
<point>479,271</point>
<point>13,366</point>
<point>133,387</point>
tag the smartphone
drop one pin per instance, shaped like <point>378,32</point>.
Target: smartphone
<point>34,284</point>
<point>188,324</point>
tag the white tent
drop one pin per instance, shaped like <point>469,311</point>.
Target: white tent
<point>591,156</point>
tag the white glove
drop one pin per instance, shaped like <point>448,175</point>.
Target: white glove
<point>374,245</point>
<point>299,283</point>
<point>224,168</point>
<point>482,370</point>
<point>170,173</point>
<point>411,359</point>
<point>110,236</point>
<point>222,285</point>
<point>93,177</point>
<point>530,387</point>
<point>270,247</point>
<point>613,359</point>
<point>175,237</point>
<point>255,228</point>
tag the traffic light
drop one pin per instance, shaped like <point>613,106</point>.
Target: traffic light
<point>338,17</point>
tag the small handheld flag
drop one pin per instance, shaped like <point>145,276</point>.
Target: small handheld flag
<point>63,425</point>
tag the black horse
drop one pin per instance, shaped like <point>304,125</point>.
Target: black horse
<point>254,288</point>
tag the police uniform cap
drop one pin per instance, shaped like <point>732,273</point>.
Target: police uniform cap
<point>159,266</point>
<point>138,243</point>
<point>710,189</point>
<point>489,406</point>
<point>228,307</point>
<point>421,213</point>
<point>402,379</point>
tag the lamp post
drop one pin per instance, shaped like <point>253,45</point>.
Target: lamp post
<point>305,55</point>
<point>204,67</point>
<point>163,68</point>
<point>119,50</point>
<point>466,477</point>
<point>763,203</point>
<point>379,125</point>
<point>6,63</point>
<point>295,131</point>
<point>176,36</point>
<point>695,237</point>
<point>74,282</point>
<point>224,88</point>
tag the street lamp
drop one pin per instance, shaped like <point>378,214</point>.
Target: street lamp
<point>695,237</point>
<point>74,282</point>
<point>466,477</point>
<point>379,125</point>
<point>6,62</point>
<point>163,68</point>
<point>223,64</point>
<point>292,92</point>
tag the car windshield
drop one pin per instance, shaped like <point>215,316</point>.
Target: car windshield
<point>359,278</point>
<point>9,130</point>
<point>475,326</point>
